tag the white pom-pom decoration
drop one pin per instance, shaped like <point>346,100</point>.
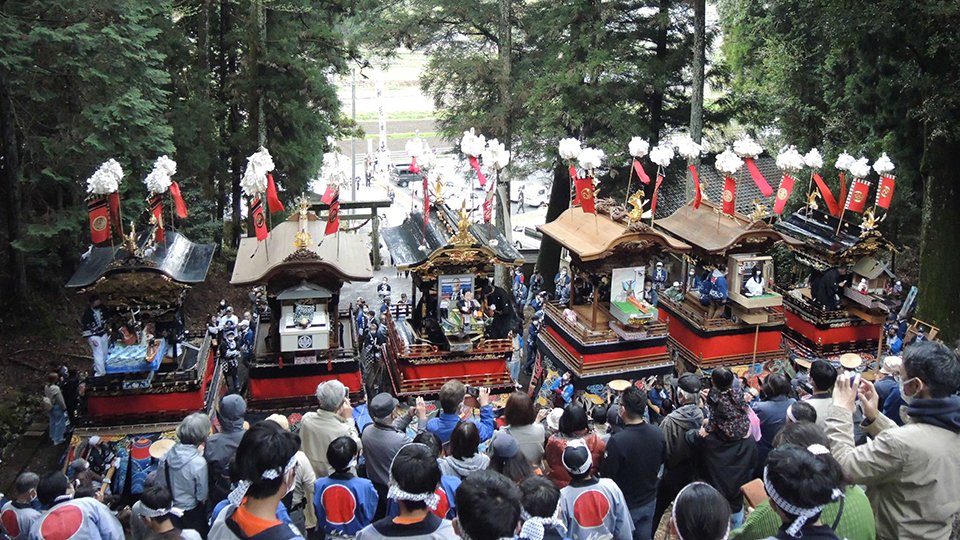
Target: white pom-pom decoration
<point>414,147</point>
<point>813,159</point>
<point>335,169</point>
<point>844,161</point>
<point>728,163</point>
<point>746,147</point>
<point>472,144</point>
<point>639,147</point>
<point>860,168</point>
<point>883,165</point>
<point>427,161</point>
<point>254,180</point>
<point>569,149</point>
<point>686,147</point>
<point>496,155</point>
<point>790,160</point>
<point>591,158</point>
<point>661,154</point>
<point>159,179</point>
<point>107,178</point>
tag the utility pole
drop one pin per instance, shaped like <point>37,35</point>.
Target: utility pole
<point>353,142</point>
<point>696,98</point>
<point>262,46</point>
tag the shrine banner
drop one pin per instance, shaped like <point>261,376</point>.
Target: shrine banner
<point>758,178</point>
<point>333,215</point>
<point>843,190</point>
<point>584,196</point>
<point>114,201</point>
<point>329,193</point>
<point>178,203</point>
<point>827,195</point>
<point>729,195</point>
<point>885,191</point>
<point>783,193</point>
<point>259,221</point>
<point>653,201</point>
<point>475,163</point>
<point>156,209</point>
<point>857,200</point>
<point>697,192</point>
<point>413,165</point>
<point>99,220</point>
<point>640,172</point>
<point>273,200</point>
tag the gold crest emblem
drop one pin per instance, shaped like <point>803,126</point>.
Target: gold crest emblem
<point>258,219</point>
<point>857,197</point>
<point>727,195</point>
<point>782,193</point>
<point>99,223</point>
<point>885,191</point>
<point>586,193</point>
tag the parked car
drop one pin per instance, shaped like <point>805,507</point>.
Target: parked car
<point>402,175</point>
<point>536,196</point>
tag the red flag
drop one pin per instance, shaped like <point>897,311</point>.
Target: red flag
<point>857,200</point>
<point>114,201</point>
<point>885,191</point>
<point>333,215</point>
<point>843,190</point>
<point>758,178</point>
<point>426,201</point>
<point>827,195</point>
<point>273,200</point>
<point>413,165</point>
<point>99,220</point>
<point>156,208</point>
<point>178,201</point>
<point>783,193</point>
<point>640,172</point>
<point>697,195</point>
<point>259,221</point>
<point>653,201</point>
<point>573,173</point>
<point>584,187</point>
<point>328,194</point>
<point>729,195</point>
<point>476,166</point>
<point>488,206</point>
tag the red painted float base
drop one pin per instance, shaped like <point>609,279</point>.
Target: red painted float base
<point>300,386</point>
<point>426,379</point>
<point>156,405</point>
<point>727,347</point>
<point>822,342</point>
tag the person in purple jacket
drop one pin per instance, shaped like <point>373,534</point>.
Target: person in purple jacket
<point>452,394</point>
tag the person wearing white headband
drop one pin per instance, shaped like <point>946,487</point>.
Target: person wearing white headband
<point>266,465</point>
<point>591,507</point>
<point>800,483</point>
<point>157,512</point>
<point>414,477</point>
<point>700,512</point>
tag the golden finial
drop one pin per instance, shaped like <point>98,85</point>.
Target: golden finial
<point>870,220</point>
<point>302,239</point>
<point>438,189</point>
<point>130,242</point>
<point>463,236</point>
<point>637,202</point>
<point>760,211</point>
<point>812,200</point>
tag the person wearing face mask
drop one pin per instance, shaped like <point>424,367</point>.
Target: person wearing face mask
<point>911,473</point>
<point>266,464</point>
<point>18,515</point>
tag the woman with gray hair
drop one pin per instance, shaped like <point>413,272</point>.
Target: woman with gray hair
<point>183,471</point>
<point>333,418</point>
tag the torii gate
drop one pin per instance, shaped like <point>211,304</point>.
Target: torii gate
<point>374,216</point>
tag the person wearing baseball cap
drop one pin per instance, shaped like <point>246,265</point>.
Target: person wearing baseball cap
<point>591,507</point>
<point>384,438</point>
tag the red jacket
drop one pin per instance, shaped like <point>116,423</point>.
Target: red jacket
<point>553,456</point>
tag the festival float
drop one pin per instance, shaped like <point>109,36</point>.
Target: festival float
<point>615,333</point>
<point>458,328</point>
<point>729,315</point>
<point>156,372</point>
<point>842,305</point>
<point>304,338</point>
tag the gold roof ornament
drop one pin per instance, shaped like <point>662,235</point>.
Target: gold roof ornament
<point>870,221</point>
<point>302,238</point>
<point>760,211</point>
<point>463,236</point>
<point>637,202</point>
<point>812,201</point>
<point>438,190</point>
<point>130,242</point>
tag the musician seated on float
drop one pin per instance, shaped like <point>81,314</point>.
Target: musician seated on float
<point>754,285</point>
<point>826,288</point>
<point>714,291</point>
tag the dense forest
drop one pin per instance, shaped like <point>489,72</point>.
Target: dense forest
<point>207,81</point>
